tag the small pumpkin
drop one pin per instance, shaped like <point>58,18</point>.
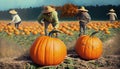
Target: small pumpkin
<point>47,51</point>
<point>89,47</point>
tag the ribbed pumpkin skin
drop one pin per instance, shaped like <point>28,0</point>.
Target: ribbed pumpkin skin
<point>88,48</point>
<point>48,51</point>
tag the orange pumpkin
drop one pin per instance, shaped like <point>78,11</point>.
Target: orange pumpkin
<point>48,51</point>
<point>89,47</point>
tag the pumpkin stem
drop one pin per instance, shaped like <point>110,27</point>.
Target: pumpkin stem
<point>52,32</point>
<point>93,33</point>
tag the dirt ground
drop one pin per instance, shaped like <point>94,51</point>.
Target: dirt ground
<point>107,62</point>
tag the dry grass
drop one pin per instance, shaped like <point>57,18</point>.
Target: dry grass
<point>112,46</point>
<point>10,49</point>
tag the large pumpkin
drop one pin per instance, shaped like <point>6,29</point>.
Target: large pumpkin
<point>48,51</point>
<point>89,47</point>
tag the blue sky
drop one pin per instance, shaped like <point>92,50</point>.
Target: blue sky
<point>10,4</point>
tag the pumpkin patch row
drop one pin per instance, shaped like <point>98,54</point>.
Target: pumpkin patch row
<point>34,28</point>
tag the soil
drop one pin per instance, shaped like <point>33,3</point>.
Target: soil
<point>107,62</point>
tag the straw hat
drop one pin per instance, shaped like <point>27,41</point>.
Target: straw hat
<point>111,10</point>
<point>48,9</point>
<point>12,12</point>
<point>83,9</point>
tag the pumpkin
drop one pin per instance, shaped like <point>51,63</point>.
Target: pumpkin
<point>89,47</point>
<point>34,32</point>
<point>47,51</point>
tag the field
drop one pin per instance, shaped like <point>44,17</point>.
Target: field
<point>15,45</point>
